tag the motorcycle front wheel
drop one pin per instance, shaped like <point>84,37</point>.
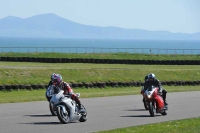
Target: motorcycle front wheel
<point>152,109</point>
<point>63,116</point>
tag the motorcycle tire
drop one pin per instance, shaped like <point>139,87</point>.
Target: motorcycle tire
<point>83,115</point>
<point>164,113</point>
<point>63,117</point>
<point>52,110</point>
<point>152,109</point>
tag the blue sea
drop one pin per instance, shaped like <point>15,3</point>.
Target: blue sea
<point>99,46</point>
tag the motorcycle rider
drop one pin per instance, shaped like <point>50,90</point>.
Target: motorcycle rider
<point>58,82</point>
<point>152,80</point>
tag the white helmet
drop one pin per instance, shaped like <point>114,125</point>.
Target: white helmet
<point>152,76</point>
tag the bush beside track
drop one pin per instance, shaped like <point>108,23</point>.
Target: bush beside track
<point>100,61</point>
<point>99,85</point>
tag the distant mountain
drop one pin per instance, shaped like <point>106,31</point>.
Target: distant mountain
<point>53,26</point>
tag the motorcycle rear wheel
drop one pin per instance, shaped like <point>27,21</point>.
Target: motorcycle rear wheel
<point>164,113</point>
<point>52,110</point>
<point>84,115</point>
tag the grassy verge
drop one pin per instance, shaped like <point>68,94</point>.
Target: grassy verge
<point>39,95</point>
<point>39,73</point>
<point>177,126</point>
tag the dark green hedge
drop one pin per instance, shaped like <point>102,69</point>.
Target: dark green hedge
<point>100,85</point>
<point>100,61</point>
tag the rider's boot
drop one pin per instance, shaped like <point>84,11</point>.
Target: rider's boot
<point>79,104</point>
<point>79,107</point>
<point>164,98</point>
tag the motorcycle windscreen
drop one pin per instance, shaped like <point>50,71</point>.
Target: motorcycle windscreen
<point>150,87</point>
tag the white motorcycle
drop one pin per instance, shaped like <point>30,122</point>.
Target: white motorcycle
<point>66,108</point>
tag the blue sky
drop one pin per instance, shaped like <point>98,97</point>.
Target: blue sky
<point>154,15</point>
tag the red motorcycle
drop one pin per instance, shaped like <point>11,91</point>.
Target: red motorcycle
<point>154,101</point>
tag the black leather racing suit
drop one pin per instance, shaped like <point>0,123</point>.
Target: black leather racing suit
<point>156,83</point>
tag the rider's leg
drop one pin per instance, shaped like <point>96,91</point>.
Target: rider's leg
<point>75,98</point>
<point>164,93</point>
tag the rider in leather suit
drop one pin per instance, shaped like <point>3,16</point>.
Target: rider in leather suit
<point>58,82</point>
<point>152,80</point>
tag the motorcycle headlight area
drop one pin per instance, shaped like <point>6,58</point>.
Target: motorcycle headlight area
<point>149,95</point>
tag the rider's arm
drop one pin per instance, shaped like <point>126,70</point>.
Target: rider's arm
<point>67,89</point>
<point>145,85</point>
<point>158,83</point>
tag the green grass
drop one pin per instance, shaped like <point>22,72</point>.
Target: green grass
<point>105,56</point>
<point>178,126</point>
<point>39,73</point>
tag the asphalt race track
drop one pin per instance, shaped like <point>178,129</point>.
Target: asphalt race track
<point>103,114</point>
